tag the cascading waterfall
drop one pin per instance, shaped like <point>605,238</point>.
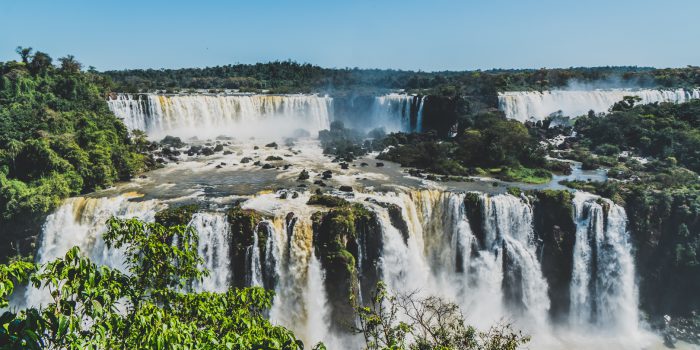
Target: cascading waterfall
<point>254,268</point>
<point>80,222</point>
<point>398,112</point>
<point>213,230</point>
<point>485,263</point>
<point>300,297</point>
<point>535,105</point>
<point>442,256</point>
<point>508,226</point>
<point>603,288</point>
<point>208,116</point>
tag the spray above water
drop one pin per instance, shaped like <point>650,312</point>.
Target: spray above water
<point>208,116</point>
<point>535,105</point>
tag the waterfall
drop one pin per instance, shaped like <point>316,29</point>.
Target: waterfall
<point>300,297</point>
<point>442,257</point>
<point>603,288</point>
<point>535,105</point>
<point>398,112</point>
<point>208,116</point>
<point>254,268</point>
<point>213,230</point>
<point>419,118</point>
<point>80,221</point>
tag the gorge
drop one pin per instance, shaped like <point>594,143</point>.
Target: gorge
<point>558,264</point>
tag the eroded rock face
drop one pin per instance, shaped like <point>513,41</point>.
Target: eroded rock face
<point>173,216</point>
<point>555,227</point>
<point>340,239</point>
<point>243,223</point>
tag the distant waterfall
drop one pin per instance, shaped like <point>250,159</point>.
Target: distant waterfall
<point>535,105</point>
<point>213,230</point>
<point>398,112</point>
<point>603,288</point>
<point>208,116</point>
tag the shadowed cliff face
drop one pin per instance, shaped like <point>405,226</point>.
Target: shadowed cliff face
<point>556,231</point>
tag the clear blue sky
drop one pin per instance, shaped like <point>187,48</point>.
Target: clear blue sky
<point>425,35</point>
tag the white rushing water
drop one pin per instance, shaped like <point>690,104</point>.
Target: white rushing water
<point>443,257</point>
<point>490,269</point>
<point>535,105</point>
<point>81,222</point>
<point>213,230</point>
<point>208,116</point>
<point>603,288</point>
<point>395,111</point>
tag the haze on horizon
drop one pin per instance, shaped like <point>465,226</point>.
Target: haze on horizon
<point>409,35</point>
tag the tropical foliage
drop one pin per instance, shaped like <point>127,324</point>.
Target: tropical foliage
<point>57,136</point>
<point>149,306</point>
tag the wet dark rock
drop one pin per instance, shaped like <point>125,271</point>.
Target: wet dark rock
<point>207,151</point>
<point>286,166</point>
<point>363,164</point>
<point>295,195</point>
<point>256,147</point>
<point>344,166</point>
<point>320,183</point>
<point>172,141</point>
<point>271,145</point>
<point>219,148</point>
<point>556,230</point>
<point>219,167</point>
<point>243,224</point>
<point>380,164</point>
<point>273,158</point>
<point>245,160</point>
<point>227,152</point>
<point>345,188</point>
<point>304,175</point>
<point>174,216</point>
<point>415,173</point>
<point>268,166</point>
<point>257,163</point>
<point>327,174</point>
<point>194,150</point>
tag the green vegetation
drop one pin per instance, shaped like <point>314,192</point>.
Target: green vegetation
<point>57,137</point>
<point>288,76</point>
<point>174,216</point>
<point>661,196</point>
<point>427,323</point>
<point>486,141</point>
<point>327,201</point>
<point>159,313</point>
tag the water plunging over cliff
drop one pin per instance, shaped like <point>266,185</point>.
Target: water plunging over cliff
<point>603,288</point>
<point>477,250</point>
<point>208,116</point>
<point>535,105</point>
<point>398,112</point>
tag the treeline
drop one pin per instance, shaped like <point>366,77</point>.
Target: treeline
<point>57,138</point>
<point>289,76</point>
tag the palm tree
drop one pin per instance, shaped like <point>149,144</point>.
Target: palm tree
<point>24,52</point>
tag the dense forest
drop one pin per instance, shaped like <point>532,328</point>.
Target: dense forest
<point>57,139</point>
<point>656,179</point>
<point>289,76</point>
